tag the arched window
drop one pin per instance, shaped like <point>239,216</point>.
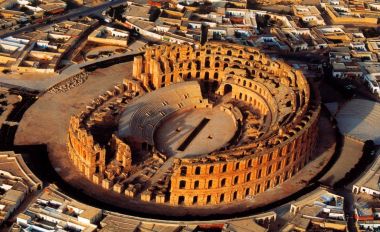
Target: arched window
<point>258,174</point>
<point>277,180</point>
<point>269,170</point>
<point>210,184</point>
<point>260,160</point>
<point>197,170</point>
<point>270,156</point>
<point>196,184</point>
<point>183,171</point>
<point>248,177</point>
<point>234,197</point>
<point>182,184</point>
<point>267,186</point>
<point>207,64</point>
<point>249,163</point>
<point>258,188</point>
<point>195,199</point>
<point>278,165</point>
<point>216,75</point>
<point>237,166</point>
<point>221,198</point>
<point>181,200</point>
<point>224,168</point>
<point>236,180</point>
<point>223,182</point>
<point>247,191</point>
<point>211,170</point>
<point>208,200</point>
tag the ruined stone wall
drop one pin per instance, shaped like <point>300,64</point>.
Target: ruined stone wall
<point>280,93</point>
<point>86,154</point>
<point>236,174</point>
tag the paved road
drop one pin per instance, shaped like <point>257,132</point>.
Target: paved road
<point>72,14</point>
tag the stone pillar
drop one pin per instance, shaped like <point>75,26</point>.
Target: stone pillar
<point>156,74</point>
<point>137,66</point>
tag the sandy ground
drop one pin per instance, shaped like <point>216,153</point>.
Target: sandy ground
<point>46,122</point>
<point>349,157</point>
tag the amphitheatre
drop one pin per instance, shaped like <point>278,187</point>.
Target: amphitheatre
<point>186,129</point>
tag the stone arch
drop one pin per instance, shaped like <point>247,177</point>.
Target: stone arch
<point>182,184</point>
<point>227,89</point>
<point>183,171</point>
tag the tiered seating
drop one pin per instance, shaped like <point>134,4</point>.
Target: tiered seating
<point>143,115</point>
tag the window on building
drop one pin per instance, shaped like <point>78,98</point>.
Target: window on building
<point>234,197</point>
<point>221,198</point>
<point>208,199</point>
<point>183,171</point>
<point>197,170</point>
<point>196,184</point>
<point>236,180</point>
<point>182,184</point>
<point>224,168</point>
<point>248,177</point>
<point>181,200</point>
<point>237,166</point>
<point>210,184</point>
<point>223,182</point>
<point>195,200</point>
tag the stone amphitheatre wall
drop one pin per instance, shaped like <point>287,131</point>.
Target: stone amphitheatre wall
<point>253,78</point>
<point>275,92</point>
<point>236,174</point>
<point>88,155</point>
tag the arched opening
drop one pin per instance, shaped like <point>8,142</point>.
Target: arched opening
<point>196,184</point>
<point>182,184</point>
<point>195,199</point>
<point>258,188</point>
<point>248,177</point>
<point>236,180</point>
<point>208,200</point>
<point>247,192</point>
<point>267,185</point>
<point>210,184</point>
<point>223,182</point>
<point>197,170</point>
<point>224,168</point>
<point>211,170</point>
<point>229,53</point>
<point>198,63</point>
<point>181,200</point>
<point>207,64</point>
<point>234,197</point>
<point>183,171</point>
<point>207,76</point>
<point>227,89</point>
<point>221,199</point>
